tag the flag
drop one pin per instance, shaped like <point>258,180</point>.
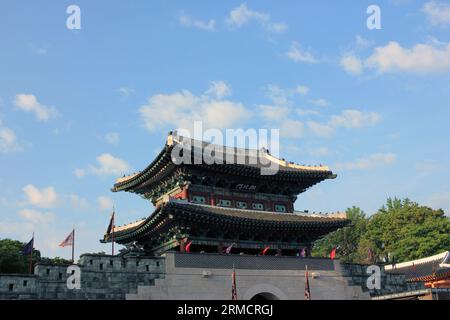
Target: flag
<point>111,230</point>
<point>188,247</point>
<point>303,253</point>
<point>28,248</point>
<point>69,240</point>
<point>264,251</point>
<point>233,285</point>
<point>370,255</point>
<point>228,249</point>
<point>307,290</point>
<point>333,253</point>
<point>111,224</point>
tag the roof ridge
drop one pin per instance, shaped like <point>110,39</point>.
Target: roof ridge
<point>295,213</point>
<point>440,256</point>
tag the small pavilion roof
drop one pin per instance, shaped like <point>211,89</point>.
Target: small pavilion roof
<point>425,269</point>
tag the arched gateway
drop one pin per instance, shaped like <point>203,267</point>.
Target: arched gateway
<point>264,292</point>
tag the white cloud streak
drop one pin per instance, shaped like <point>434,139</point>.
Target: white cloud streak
<point>29,103</point>
<point>297,54</point>
<point>438,13</point>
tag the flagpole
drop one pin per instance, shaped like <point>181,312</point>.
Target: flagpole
<point>112,230</point>
<point>31,255</point>
<point>73,245</point>
<point>233,285</point>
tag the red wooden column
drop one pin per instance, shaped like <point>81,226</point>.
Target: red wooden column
<point>183,245</point>
<point>212,200</point>
<point>185,194</point>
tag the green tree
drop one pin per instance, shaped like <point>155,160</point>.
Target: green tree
<point>55,261</point>
<point>12,260</point>
<point>403,230</point>
<point>345,239</point>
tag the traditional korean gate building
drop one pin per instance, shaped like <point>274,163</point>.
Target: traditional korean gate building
<point>244,206</point>
<point>215,206</point>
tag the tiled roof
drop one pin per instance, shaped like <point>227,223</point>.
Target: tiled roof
<point>244,160</point>
<point>425,269</point>
<point>240,214</point>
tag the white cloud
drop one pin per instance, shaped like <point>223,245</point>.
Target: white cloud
<point>109,165</point>
<point>352,64</point>
<point>319,102</point>
<point>277,27</point>
<point>320,129</point>
<point>352,118</point>
<point>362,43</point>
<point>37,50</point>
<point>369,162</point>
<point>187,21</point>
<point>8,140</point>
<point>282,114</point>
<point>76,201</point>
<point>303,90</point>
<point>421,58</point>
<point>79,173</point>
<point>126,91</point>
<point>307,112</point>
<point>297,54</point>
<point>273,113</point>
<point>292,129</point>
<point>112,138</point>
<point>279,96</point>
<point>43,198</point>
<point>29,103</point>
<point>105,203</point>
<point>37,217</point>
<point>181,109</point>
<point>319,152</point>
<point>219,89</point>
<point>242,15</point>
<point>438,13</point>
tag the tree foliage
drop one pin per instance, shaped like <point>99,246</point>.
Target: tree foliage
<point>401,230</point>
<point>345,239</point>
<point>12,260</point>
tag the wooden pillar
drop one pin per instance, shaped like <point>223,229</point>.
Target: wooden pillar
<point>211,197</point>
<point>184,193</point>
<point>183,245</point>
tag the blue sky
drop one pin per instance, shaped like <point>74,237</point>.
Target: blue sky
<point>78,108</point>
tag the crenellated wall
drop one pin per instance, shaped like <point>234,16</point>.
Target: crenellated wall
<point>200,276</point>
<point>102,277</point>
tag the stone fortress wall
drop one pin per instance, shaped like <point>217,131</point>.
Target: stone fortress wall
<point>102,277</point>
<point>199,276</point>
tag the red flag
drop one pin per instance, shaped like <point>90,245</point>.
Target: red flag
<point>264,251</point>
<point>233,285</point>
<point>370,255</point>
<point>188,247</point>
<point>68,241</point>
<point>333,253</point>
<point>228,249</point>
<point>307,290</point>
